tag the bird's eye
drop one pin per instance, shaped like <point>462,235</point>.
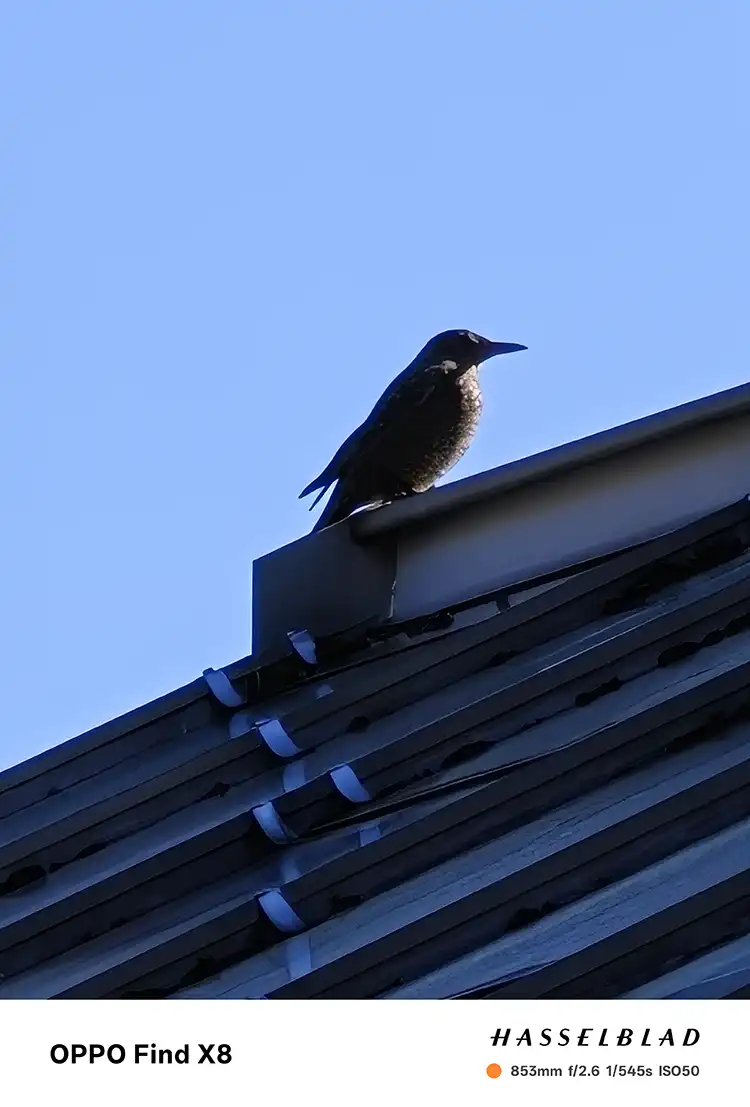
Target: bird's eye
<point>473,337</point>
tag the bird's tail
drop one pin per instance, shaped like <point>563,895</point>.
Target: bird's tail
<point>340,505</point>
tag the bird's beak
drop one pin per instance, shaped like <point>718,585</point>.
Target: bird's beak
<point>496,348</point>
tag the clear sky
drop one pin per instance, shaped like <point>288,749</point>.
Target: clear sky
<point>226,225</point>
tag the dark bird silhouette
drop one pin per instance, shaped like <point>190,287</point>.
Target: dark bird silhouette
<point>420,427</point>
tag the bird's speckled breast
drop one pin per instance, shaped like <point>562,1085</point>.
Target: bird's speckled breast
<point>444,429</point>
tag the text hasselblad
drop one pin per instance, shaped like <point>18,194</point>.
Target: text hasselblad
<point>604,1036</point>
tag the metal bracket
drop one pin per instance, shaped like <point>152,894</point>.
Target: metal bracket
<point>283,917</point>
<point>304,644</point>
<point>221,688</point>
<point>272,826</point>
<point>276,738</point>
<point>349,785</point>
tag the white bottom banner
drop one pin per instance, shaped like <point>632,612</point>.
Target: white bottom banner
<point>363,1052</point>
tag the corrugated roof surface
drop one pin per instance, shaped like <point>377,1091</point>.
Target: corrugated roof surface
<point>544,794</point>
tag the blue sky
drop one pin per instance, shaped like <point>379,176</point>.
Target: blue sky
<point>226,226</point>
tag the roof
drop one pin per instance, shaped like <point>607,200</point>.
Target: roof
<point>544,792</point>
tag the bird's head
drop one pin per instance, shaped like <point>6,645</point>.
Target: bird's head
<point>466,348</point>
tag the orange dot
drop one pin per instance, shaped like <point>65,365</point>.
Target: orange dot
<point>493,1071</point>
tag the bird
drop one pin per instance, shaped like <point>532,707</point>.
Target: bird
<point>421,426</point>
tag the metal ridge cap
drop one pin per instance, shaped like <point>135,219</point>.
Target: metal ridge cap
<point>557,459</point>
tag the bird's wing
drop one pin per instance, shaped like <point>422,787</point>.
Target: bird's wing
<point>333,469</point>
<point>392,411</point>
